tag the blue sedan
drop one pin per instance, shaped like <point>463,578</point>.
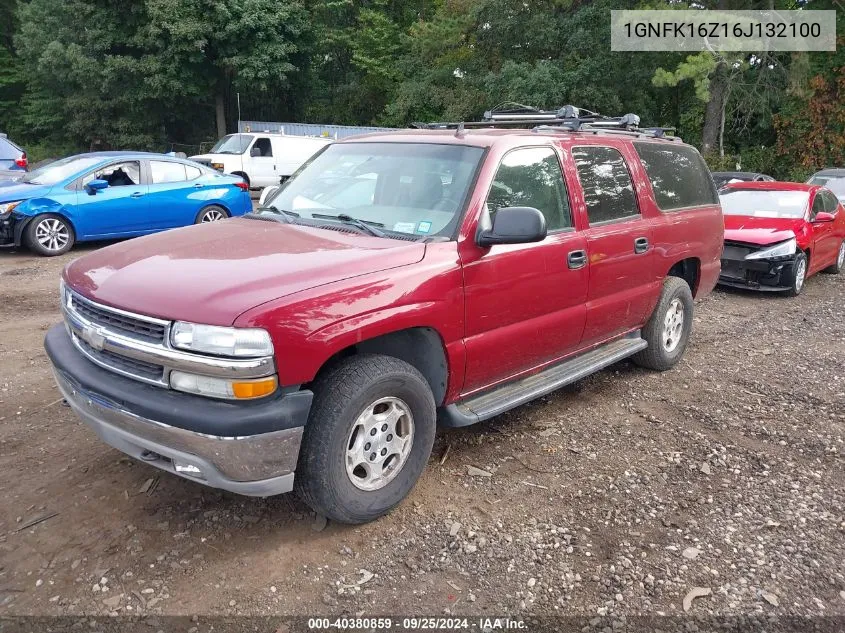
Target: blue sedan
<point>111,195</point>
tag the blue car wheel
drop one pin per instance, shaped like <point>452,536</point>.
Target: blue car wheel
<point>212,213</point>
<point>49,235</point>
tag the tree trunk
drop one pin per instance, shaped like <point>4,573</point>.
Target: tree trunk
<point>714,112</point>
<point>220,113</point>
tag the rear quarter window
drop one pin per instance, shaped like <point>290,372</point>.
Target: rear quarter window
<point>679,176</point>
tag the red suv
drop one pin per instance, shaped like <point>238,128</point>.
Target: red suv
<point>397,280</point>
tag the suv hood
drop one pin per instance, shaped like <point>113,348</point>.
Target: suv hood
<point>211,273</point>
<point>761,231</point>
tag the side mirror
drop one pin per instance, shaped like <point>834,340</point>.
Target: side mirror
<point>96,185</point>
<point>266,194</point>
<point>255,151</point>
<point>824,216</point>
<point>514,225</point>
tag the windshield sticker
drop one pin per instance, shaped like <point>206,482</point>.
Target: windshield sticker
<point>424,227</point>
<point>404,227</point>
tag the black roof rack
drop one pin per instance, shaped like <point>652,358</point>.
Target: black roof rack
<point>567,118</point>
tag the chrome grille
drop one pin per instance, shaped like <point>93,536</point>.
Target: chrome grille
<point>133,326</point>
<point>122,364</point>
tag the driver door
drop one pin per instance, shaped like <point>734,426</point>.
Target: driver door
<point>262,171</point>
<point>525,303</point>
<point>119,209</point>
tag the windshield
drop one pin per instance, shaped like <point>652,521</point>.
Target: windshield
<point>232,144</point>
<point>412,188</point>
<point>764,204</point>
<point>60,170</point>
<point>835,183</point>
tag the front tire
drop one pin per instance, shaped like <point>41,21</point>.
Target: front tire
<point>49,235</point>
<point>839,264</point>
<point>368,438</point>
<point>798,276</point>
<point>668,329</point>
<point>212,213</point>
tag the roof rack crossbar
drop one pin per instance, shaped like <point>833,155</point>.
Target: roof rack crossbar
<point>567,118</point>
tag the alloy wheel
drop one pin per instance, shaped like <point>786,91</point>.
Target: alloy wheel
<point>673,325</point>
<point>800,273</point>
<point>52,234</point>
<point>379,443</point>
<point>212,215</point>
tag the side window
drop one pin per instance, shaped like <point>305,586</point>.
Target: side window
<point>531,177</point>
<point>608,190</point>
<point>679,176</point>
<point>818,204</point>
<point>165,171</point>
<point>263,146</point>
<point>117,174</point>
<point>193,172</point>
<point>831,202</point>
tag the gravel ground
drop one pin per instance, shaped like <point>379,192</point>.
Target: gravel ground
<point>715,488</point>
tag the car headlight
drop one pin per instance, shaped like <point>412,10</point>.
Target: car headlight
<point>221,341</point>
<point>784,249</point>
<point>6,207</point>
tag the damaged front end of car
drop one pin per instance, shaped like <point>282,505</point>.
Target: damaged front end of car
<point>761,267</point>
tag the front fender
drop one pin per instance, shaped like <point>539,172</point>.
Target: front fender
<point>29,209</point>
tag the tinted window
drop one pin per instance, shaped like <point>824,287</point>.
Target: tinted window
<point>608,190</point>
<point>764,204</point>
<point>831,203</point>
<point>531,177</point>
<point>167,172</point>
<point>263,146</point>
<point>193,172</point>
<point>678,175</point>
<point>818,205</point>
<point>117,174</point>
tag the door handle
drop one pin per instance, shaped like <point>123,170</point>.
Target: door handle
<point>640,245</point>
<point>576,259</point>
<point>198,185</point>
<point>137,194</point>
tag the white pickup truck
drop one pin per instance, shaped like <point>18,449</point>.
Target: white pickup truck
<point>262,159</point>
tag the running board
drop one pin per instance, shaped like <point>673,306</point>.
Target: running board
<point>522,390</point>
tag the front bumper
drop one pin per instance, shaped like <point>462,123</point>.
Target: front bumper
<point>758,274</point>
<point>149,423</point>
<point>11,229</point>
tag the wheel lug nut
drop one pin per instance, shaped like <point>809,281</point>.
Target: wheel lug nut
<point>389,438</point>
<point>372,457</point>
<point>383,428</point>
<point>373,432</point>
<point>367,446</point>
<point>383,452</point>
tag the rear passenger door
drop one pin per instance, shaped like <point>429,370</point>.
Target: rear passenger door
<point>619,248</point>
<point>524,302</point>
<point>171,204</point>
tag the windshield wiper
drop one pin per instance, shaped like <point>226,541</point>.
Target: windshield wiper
<point>348,219</point>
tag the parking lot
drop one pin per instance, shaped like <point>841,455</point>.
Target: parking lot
<point>618,495</point>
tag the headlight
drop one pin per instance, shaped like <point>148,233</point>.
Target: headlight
<point>784,249</point>
<point>221,341</point>
<point>221,387</point>
<point>6,207</point>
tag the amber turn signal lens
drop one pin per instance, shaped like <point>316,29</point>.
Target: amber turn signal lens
<point>254,388</point>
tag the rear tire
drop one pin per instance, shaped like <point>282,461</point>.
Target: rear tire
<point>211,213</point>
<point>839,264</point>
<point>798,277</point>
<point>668,329</point>
<point>368,438</point>
<point>49,235</point>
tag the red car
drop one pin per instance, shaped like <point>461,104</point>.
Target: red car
<point>779,233</point>
<point>397,280</point>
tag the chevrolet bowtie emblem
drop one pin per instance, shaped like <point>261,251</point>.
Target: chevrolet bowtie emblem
<point>94,337</point>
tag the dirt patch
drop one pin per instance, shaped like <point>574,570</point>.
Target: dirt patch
<point>597,495</point>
